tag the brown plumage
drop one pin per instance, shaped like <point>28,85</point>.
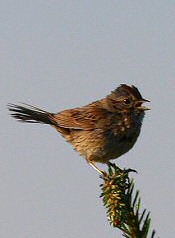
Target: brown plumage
<point>100,131</point>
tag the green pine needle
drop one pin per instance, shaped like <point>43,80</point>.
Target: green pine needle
<point>123,205</point>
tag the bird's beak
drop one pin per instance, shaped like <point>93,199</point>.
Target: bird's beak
<point>140,107</point>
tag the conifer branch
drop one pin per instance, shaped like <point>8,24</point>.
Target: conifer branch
<point>123,206</point>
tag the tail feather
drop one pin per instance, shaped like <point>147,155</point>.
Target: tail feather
<point>31,114</point>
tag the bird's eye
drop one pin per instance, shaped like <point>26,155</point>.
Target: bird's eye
<point>127,101</point>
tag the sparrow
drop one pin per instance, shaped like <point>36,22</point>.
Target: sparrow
<point>100,131</point>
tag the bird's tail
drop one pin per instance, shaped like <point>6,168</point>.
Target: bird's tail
<point>31,114</point>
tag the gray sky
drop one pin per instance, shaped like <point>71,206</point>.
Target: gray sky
<point>63,54</point>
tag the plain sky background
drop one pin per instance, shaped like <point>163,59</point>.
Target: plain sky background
<point>63,54</point>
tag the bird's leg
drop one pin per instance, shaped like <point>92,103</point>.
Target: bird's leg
<point>96,168</point>
<point>91,163</point>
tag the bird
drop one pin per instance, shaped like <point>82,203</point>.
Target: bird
<point>100,131</point>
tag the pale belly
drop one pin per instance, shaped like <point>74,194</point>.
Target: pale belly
<point>100,148</point>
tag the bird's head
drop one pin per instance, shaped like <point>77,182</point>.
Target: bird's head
<point>126,99</point>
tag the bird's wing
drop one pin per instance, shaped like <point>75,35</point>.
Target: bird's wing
<point>85,118</point>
